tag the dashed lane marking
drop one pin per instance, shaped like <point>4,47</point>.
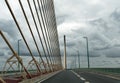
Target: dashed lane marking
<point>82,78</point>
<point>78,76</point>
<point>75,73</point>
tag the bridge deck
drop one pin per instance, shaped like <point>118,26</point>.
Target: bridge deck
<point>80,77</point>
<point>64,77</point>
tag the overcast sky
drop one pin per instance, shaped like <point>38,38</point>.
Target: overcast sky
<point>96,19</point>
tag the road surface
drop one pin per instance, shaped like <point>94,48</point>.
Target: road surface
<point>64,77</point>
<point>79,77</point>
<point>95,78</point>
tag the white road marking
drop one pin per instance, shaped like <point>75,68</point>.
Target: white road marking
<point>82,78</point>
<point>75,73</point>
<point>78,75</point>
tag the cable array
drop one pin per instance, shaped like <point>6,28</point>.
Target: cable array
<point>42,15</point>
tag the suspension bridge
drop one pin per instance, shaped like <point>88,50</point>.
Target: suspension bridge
<point>42,14</point>
<point>40,60</point>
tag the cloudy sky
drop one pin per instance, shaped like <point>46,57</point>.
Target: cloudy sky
<point>96,19</point>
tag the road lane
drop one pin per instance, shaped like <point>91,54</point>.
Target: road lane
<point>95,78</point>
<point>64,77</point>
<point>79,77</point>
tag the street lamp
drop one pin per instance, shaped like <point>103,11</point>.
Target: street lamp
<point>75,63</point>
<point>87,51</point>
<point>18,52</point>
<point>78,59</point>
<point>65,59</point>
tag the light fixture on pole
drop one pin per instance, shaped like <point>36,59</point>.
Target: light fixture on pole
<point>65,61</point>
<point>87,51</point>
<point>19,52</point>
<point>78,59</point>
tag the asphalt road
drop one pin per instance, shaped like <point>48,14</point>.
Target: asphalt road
<point>64,77</point>
<point>96,78</point>
<point>79,77</point>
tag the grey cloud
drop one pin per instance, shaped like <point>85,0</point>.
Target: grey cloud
<point>101,47</point>
<point>4,52</point>
<point>100,23</point>
<point>95,54</point>
<point>61,19</point>
<point>1,54</point>
<point>11,33</point>
<point>70,45</point>
<point>116,14</point>
<point>8,26</point>
<point>5,48</point>
<point>27,54</point>
<point>102,36</point>
<point>113,53</point>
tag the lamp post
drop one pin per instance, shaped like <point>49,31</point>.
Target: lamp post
<point>75,62</point>
<point>78,59</point>
<point>65,61</point>
<point>87,51</point>
<point>18,52</point>
<point>78,56</point>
